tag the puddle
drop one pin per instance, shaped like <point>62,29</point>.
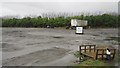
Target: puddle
<point>112,38</point>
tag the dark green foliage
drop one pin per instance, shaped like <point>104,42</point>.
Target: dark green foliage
<point>104,20</point>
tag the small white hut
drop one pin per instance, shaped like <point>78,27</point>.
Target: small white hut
<point>78,25</point>
<point>75,22</point>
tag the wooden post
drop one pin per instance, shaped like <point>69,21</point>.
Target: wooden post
<point>85,48</point>
<point>102,54</point>
<point>96,54</point>
<point>114,53</point>
<point>80,53</point>
<point>94,48</point>
<point>90,49</point>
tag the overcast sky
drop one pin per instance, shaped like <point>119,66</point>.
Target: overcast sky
<point>23,8</point>
<point>59,0</point>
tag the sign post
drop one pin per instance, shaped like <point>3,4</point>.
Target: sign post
<point>79,30</point>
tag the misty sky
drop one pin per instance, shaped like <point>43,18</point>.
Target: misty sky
<point>36,8</point>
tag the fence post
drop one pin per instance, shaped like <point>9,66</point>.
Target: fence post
<point>102,54</point>
<point>97,54</point>
<point>85,48</point>
<point>114,53</point>
<point>94,48</point>
<point>80,53</point>
<point>90,49</point>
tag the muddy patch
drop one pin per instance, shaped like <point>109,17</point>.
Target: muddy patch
<point>108,39</point>
<point>112,38</point>
<point>58,37</point>
<point>32,44</point>
<point>115,38</point>
<point>95,35</point>
<point>6,47</point>
<point>17,33</point>
<point>36,58</point>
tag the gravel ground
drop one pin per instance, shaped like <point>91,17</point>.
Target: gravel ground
<point>49,47</point>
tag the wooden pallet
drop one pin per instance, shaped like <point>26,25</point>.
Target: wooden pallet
<point>96,52</point>
<point>90,54</point>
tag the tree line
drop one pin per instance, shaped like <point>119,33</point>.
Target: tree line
<point>104,20</point>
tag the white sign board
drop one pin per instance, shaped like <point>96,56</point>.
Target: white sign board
<point>79,30</point>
